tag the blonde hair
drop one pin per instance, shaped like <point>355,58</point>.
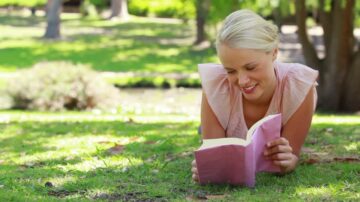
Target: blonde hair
<point>246,29</point>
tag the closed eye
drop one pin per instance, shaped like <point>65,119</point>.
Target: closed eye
<point>249,68</point>
<point>230,71</point>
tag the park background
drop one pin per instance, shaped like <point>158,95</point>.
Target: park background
<point>100,99</point>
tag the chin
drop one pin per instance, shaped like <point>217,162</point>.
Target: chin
<point>255,96</point>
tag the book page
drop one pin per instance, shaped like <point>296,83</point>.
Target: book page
<point>210,143</point>
<point>255,126</point>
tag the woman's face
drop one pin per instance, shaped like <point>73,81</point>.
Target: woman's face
<point>251,71</point>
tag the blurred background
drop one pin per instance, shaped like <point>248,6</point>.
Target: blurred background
<point>141,56</point>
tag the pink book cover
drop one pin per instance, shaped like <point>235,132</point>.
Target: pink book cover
<point>236,161</point>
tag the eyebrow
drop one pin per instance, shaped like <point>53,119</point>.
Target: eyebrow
<point>228,68</point>
<point>249,64</point>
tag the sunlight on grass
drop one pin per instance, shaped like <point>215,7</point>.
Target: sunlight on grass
<point>353,147</point>
<point>18,43</point>
<point>59,181</point>
<point>336,119</point>
<point>84,117</point>
<point>323,192</point>
<point>93,163</point>
<point>169,52</point>
<point>140,45</point>
<point>12,32</point>
<point>340,190</point>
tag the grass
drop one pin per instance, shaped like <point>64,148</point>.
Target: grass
<point>68,156</point>
<point>140,45</point>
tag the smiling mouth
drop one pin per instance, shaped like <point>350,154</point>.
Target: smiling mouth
<point>249,89</point>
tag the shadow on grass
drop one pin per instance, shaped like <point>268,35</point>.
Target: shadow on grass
<point>135,55</point>
<point>18,21</point>
<point>132,46</point>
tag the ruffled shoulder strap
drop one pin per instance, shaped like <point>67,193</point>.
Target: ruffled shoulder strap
<point>217,90</point>
<point>297,82</point>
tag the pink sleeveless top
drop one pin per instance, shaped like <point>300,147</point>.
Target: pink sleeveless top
<point>293,83</point>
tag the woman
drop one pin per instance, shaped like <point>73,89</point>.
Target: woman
<point>250,84</point>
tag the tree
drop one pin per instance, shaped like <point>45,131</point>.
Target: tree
<point>119,9</point>
<point>202,10</point>
<point>53,10</point>
<point>339,82</point>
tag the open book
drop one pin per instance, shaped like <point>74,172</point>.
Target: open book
<point>236,161</point>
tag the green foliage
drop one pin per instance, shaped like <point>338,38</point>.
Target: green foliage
<point>57,86</point>
<point>357,14</point>
<point>219,10</point>
<point>88,8</point>
<point>98,3</point>
<point>184,9</point>
<point>27,3</point>
<point>154,82</point>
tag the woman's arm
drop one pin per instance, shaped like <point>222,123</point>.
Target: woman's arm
<point>210,125</point>
<point>210,128</point>
<point>285,151</point>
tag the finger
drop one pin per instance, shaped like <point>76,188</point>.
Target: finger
<point>283,163</point>
<point>194,171</point>
<point>193,163</point>
<point>281,156</point>
<point>279,141</point>
<point>195,178</point>
<point>278,149</point>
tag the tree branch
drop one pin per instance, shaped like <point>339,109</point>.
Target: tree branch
<point>325,21</point>
<point>309,51</point>
<point>348,31</point>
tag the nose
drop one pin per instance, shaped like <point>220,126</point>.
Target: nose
<point>243,79</point>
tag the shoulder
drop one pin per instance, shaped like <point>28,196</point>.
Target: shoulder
<point>296,81</point>
<point>213,79</point>
<point>209,71</point>
<point>297,71</point>
<point>216,87</point>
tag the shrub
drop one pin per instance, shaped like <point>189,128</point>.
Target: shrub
<point>28,3</point>
<point>57,86</point>
<point>154,82</point>
<point>183,9</point>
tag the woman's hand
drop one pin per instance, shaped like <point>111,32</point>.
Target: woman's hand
<point>195,174</point>
<point>280,152</point>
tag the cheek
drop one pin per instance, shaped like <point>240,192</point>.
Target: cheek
<point>231,78</point>
<point>266,73</point>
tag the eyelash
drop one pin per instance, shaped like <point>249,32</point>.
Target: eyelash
<point>231,72</point>
<point>251,68</point>
<point>248,69</point>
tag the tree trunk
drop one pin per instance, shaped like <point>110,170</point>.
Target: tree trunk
<point>339,71</point>
<point>119,9</point>
<point>53,10</point>
<point>202,9</point>
<point>33,11</point>
<point>309,51</point>
<point>278,19</point>
<point>352,86</point>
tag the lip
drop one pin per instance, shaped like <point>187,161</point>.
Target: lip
<point>248,90</point>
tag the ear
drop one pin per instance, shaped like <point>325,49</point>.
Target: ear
<point>274,53</point>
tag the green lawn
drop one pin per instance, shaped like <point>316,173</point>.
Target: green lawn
<point>68,156</point>
<point>140,45</point>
